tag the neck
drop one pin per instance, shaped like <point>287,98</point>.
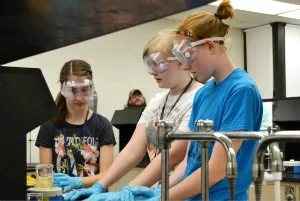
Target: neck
<point>178,89</point>
<point>224,69</point>
<point>76,117</point>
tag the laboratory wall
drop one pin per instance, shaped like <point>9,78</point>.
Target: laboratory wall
<point>117,64</point>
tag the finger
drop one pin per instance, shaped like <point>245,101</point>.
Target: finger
<point>67,187</point>
<point>69,195</point>
<point>77,194</point>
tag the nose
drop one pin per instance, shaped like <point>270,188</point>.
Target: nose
<point>78,96</point>
<point>153,73</point>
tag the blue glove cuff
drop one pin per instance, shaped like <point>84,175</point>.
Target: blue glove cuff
<point>126,187</point>
<point>100,188</point>
<point>78,182</point>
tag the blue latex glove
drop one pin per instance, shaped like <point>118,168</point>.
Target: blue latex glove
<point>66,182</point>
<point>85,192</point>
<point>145,193</point>
<point>123,195</point>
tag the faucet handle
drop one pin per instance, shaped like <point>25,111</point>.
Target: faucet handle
<point>204,125</point>
<point>163,123</point>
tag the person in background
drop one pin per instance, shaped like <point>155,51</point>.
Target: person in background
<point>135,99</point>
<point>78,141</point>
<point>174,104</point>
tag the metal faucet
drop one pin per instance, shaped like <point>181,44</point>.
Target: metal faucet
<point>165,138</point>
<point>258,164</point>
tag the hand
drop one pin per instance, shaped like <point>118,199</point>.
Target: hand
<point>144,193</point>
<point>111,195</point>
<point>66,182</point>
<point>85,192</point>
<point>122,195</point>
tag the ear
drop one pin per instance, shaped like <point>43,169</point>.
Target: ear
<point>183,67</point>
<point>129,101</point>
<point>211,46</point>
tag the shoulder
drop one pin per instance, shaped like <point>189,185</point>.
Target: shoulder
<point>158,97</point>
<point>161,95</point>
<point>99,119</point>
<point>49,125</point>
<point>243,82</point>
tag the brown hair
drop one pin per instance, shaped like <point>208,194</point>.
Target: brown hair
<point>72,67</point>
<point>162,42</point>
<point>205,25</point>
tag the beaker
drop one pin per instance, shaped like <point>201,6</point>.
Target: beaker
<point>44,176</point>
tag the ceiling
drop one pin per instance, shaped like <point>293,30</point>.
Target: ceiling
<point>243,19</point>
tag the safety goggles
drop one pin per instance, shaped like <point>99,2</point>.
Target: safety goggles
<point>183,49</point>
<point>157,63</point>
<point>71,88</point>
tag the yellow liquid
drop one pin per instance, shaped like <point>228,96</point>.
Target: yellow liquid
<point>44,182</point>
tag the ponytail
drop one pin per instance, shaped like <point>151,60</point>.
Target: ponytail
<point>60,118</point>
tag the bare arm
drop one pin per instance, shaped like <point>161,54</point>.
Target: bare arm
<point>152,173</point>
<point>191,186</point>
<point>45,155</point>
<point>128,158</point>
<point>106,159</point>
<point>178,174</point>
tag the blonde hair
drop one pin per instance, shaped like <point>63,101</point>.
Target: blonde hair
<point>205,25</point>
<point>162,42</point>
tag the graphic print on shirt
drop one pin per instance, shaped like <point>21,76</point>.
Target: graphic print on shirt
<point>175,115</point>
<point>78,149</point>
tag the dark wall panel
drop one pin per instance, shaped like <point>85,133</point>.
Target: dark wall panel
<point>30,27</point>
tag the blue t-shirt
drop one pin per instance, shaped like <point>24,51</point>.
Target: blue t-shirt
<point>233,104</point>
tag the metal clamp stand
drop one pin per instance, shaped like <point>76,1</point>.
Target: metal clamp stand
<point>258,169</point>
<point>164,145</point>
<point>165,140</point>
<point>204,126</point>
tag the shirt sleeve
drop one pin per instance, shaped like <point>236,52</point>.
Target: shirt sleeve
<point>240,110</point>
<point>184,124</point>
<point>146,115</point>
<point>45,135</point>
<point>107,135</point>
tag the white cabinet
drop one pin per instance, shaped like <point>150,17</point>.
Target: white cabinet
<point>292,60</point>
<point>260,58</point>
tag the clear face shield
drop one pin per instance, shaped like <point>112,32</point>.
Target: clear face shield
<point>156,63</point>
<point>71,88</point>
<point>183,49</point>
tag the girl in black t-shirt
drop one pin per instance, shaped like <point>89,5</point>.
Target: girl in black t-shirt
<point>78,141</point>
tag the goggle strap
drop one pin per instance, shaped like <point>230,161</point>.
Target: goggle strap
<point>199,42</point>
<point>171,58</point>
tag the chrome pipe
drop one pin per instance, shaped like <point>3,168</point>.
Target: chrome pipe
<point>258,164</point>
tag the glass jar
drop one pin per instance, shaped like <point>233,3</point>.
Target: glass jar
<point>44,176</point>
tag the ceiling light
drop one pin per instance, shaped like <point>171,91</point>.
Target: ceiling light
<point>270,7</point>
<point>293,14</point>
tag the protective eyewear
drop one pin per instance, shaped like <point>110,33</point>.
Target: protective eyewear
<point>156,63</point>
<point>183,49</point>
<point>85,88</point>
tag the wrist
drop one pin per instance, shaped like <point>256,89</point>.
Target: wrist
<point>78,182</point>
<point>100,188</point>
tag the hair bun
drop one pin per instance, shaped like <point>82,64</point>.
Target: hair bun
<point>225,10</point>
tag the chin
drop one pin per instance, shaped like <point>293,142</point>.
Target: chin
<point>162,86</point>
<point>83,106</point>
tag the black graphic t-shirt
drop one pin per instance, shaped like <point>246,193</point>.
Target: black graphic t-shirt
<point>82,155</point>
